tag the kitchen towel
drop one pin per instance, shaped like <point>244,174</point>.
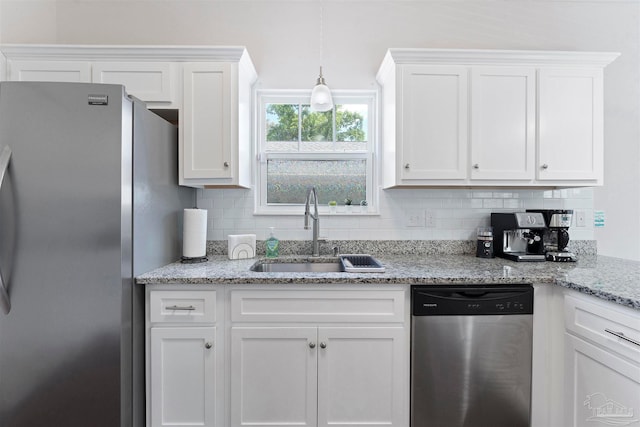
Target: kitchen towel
<point>241,246</point>
<point>194,242</point>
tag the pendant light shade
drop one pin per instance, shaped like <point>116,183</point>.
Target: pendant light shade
<point>321,99</point>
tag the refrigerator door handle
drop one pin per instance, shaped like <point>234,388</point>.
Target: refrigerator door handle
<point>5,158</point>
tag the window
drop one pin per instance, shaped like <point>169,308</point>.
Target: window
<point>299,149</point>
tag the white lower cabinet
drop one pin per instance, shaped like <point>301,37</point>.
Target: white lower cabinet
<point>602,369</point>
<point>273,376</point>
<point>308,376</point>
<point>183,376</point>
<point>602,388</point>
<point>277,355</point>
<point>184,366</point>
<point>319,357</point>
<point>360,376</point>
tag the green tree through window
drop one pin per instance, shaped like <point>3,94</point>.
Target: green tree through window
<point>283,121</point>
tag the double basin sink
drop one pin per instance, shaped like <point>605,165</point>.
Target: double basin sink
<point>344,263</point>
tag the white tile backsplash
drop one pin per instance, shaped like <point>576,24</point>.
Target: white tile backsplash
<point>457,214</point>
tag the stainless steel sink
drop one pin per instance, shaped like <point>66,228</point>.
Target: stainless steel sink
<point>297,267</point>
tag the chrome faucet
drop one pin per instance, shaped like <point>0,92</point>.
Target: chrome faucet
<point>315,217</point>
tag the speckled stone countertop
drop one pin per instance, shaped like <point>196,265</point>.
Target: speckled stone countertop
<point>612,279</point>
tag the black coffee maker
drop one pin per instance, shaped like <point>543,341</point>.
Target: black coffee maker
<point>519,236</point>
<point>556,236</point>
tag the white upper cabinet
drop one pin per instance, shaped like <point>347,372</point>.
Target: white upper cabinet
<point>502,123</point>
<point>434,117</point>
<point>207,154</point>
<point>211,86</point>
<point>492,118</point>
<point>215,139</point>
<point>149,81</point>
<point>49,71</point>
<point>571,132</point>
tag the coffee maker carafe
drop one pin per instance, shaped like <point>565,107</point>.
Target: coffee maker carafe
<point>519,236</point>
<point>556,237</point>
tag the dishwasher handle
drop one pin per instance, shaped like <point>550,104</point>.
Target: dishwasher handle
<point>472,294</point>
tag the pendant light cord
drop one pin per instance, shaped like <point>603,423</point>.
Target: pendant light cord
<point>321,34</point>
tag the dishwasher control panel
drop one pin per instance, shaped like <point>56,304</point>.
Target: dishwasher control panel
<point>437,300</point>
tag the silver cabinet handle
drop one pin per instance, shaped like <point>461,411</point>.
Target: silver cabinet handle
<point>476,166</point>
<point>545,166</point>
<point>208,345</point>
<point>182,308</point>
<point>621,335</point>
<point>312,345</point>
<point>5,158</point>
<point>406,166</point>
<point>323,345</point>
<point>226,164</point>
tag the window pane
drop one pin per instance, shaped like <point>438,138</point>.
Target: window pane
<point>351,122</point>
<point>289,180</point>
<point>282,122</point>
<point>317,129</point>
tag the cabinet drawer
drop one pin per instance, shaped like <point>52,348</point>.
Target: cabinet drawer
<point>182,306</point>
<point>600,324</point>
<point>317,306</point>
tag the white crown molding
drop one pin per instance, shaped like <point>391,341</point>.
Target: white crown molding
<point>500,57</point>
<point>124,52</point>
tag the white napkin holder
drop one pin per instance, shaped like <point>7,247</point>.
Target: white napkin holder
<point>241,246</point>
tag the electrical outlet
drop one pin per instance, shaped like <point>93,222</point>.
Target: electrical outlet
<point>430,218</point>
<point>415,218</point>
<point>581,220</point>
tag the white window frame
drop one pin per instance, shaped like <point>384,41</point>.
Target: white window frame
<point>264,97</point>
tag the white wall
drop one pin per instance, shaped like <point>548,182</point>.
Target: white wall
<point>283,39</point>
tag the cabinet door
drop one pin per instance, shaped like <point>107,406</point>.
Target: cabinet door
<point>502,123</point>
<point>50,71</point>
<point>273,376</point>
<point>206,122</point>
<point>360,376</point>
<point>602,388</point>
<point>149,81</point>
<point>183,377</point>
<point>433,114</point>
<point>570,131</point>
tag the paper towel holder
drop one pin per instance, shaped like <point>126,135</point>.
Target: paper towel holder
<point>195,221</point>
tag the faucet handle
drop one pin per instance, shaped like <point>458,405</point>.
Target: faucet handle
<point>336,250</point>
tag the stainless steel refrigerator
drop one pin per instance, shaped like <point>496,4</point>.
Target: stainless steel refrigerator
<point>89,200</point>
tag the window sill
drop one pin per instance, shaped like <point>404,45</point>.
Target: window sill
<point>322,212</point>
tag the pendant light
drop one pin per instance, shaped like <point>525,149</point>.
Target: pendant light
<point>321,99</point>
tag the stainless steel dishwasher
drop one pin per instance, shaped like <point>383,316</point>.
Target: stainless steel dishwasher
<point>471,355</point>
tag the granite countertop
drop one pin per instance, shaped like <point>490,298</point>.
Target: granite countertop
<point>612,279</point>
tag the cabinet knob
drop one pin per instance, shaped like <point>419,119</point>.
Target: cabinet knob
<point>226,164</point>
<point>312,345</point>
<point>406,166</point>
<point>323,345</point>
<point>476,166</point>
<point>208,345</point>
<point>545,166</point>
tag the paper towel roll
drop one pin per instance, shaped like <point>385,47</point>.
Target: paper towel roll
<point>194,236</point>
